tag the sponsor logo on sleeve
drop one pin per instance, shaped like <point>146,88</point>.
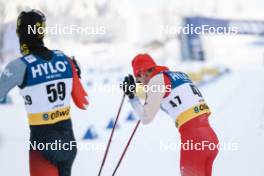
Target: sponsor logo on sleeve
<point>30,59</point>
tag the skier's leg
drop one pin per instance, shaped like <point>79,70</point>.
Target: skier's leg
<point>65,169</point>
<point>65,166</point>
<point>39,166</point>
<point>198,161</point>
<point>210,161</point>
<point>63,159</point>
<point>64,154</point>
<point>208,168</point>
<point>192,163</point>
<point>67,158</point>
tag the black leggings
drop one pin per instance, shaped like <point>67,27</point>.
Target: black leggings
<point>64,154</point>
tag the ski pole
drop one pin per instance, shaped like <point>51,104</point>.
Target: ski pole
<point>112,133</point>
<point>124,152</point>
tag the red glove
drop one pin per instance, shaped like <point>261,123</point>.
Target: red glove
<point>79,95</point>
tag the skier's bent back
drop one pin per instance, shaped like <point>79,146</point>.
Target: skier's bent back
<point>47,80</point>
<point>174,93</point>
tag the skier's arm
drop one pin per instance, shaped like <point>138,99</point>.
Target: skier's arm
<point>79,95</point>
<point>148,111</point>
<point>76,65</point>
<point>12,75</point>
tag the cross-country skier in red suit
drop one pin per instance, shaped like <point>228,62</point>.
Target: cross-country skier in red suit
<point>181,100</point>
<point>47,79</point>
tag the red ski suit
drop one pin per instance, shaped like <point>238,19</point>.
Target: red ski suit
<point>199,161</point>
<point>185,104</point>
<point>197,132</point>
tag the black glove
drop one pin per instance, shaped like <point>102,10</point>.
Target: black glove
<point>129,86</point>
<point>76,66</point>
